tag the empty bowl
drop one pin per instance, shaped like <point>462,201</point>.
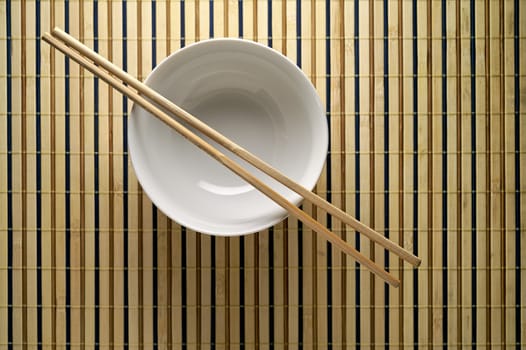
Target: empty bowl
<point>253,95</point>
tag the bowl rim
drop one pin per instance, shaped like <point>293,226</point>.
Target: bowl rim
<point>315,173</point>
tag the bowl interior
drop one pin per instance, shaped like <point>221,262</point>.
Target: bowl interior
<point>251,94</point>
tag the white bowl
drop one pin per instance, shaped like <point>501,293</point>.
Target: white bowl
<point>253,95</point>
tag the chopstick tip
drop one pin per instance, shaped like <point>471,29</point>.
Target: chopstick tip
<point>394,283</point>
<point>57,30</point>
<point>46,36</point>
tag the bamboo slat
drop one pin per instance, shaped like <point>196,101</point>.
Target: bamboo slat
<point>482,163</point>
<point>29,179</point>
<point>377,165</point>
<point>521,31</point>
<point>393,170</point>
<point>496,165</point>
<point>466,317</point>
<point>134,243</point>
<point>427,123</point>
<point>117,174</point>
<point>75,185</point>
<point>408,324</point>
<point>4,180</point>
<point>450,162</point>
<point>350,91</point>
<point>18,182</point>
<point>319,57</point>
<point>435,172</point>
<point>423,333</point>
<point>366,174</point>
<point>88,126</point>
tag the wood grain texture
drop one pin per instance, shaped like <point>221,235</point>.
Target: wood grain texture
<point>427,128</point>
<point>4,180</point>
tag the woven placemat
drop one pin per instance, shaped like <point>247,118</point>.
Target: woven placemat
<point>426,107</point>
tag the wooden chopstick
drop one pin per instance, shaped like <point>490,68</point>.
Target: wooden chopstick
<point>233,166</point>
<point>236,149</point>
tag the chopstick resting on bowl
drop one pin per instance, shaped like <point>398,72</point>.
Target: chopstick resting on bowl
<point>135,90</point>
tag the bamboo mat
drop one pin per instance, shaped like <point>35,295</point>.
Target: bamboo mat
<point>426,106</point>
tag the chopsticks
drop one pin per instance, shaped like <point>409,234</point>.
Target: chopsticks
<point>126,85</point>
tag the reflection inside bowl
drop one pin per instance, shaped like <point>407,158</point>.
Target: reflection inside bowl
<point>224,190</point>
<point>249,119</point>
